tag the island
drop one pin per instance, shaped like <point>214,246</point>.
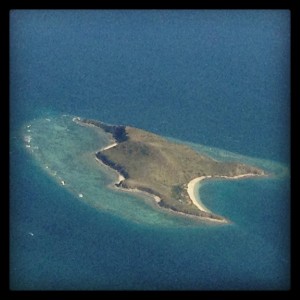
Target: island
<point>168,171</point>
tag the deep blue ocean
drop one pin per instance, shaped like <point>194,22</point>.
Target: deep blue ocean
<point>217,78</point>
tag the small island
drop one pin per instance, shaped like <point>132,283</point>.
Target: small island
<point>166,170</point>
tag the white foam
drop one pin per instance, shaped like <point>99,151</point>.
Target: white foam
<point>27,138</point>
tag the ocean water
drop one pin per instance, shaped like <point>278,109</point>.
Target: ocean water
<point>213,78</point>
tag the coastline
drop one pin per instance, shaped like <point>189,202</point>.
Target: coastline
<point>155,204</point>
<point>109,146</point>
<point>121,178</point>
<point>192,188</point>
<point>116,185</point>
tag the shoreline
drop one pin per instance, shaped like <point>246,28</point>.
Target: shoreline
<point>191,190</point>
<point>192,187</point>
<point>122,178</point>
<point>115,185</point>
<point>109,146</point>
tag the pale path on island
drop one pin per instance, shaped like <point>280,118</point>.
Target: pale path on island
<point>192,190</point>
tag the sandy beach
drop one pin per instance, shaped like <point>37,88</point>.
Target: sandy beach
<point>192,190</point>
<point>121,178</point>
<point>110,146</point>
